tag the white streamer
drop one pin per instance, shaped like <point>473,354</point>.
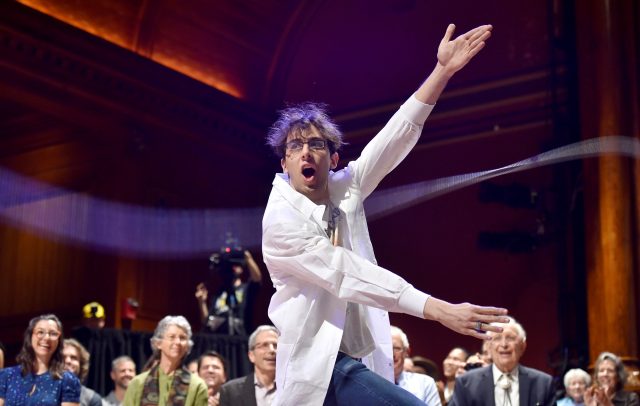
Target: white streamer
<point>149,232</point>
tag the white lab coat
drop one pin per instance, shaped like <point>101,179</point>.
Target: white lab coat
<point>314,280</point>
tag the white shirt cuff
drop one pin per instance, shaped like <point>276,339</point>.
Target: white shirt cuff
<point>412,302</point>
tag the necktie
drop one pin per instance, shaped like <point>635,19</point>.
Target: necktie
<point>505,383</point>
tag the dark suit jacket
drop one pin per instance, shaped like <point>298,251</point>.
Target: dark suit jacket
<point>239,392</point>
<point>475,388</point>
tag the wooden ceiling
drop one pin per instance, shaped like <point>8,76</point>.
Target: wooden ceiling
<point>349,54</point>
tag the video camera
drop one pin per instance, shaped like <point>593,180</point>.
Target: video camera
<point>230,254</point>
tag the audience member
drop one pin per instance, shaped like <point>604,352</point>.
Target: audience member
<point>93,315</point>
<point>506,382</point>
<point>422,365</point>
<point>2,350</point>
<point>258,388</point>
<point>231,310</point>
<point>40,377</point>
<point>76,361</point>
<point>192,366</point>
<point>421,386</point>
<point>576,382</point>
<point>123,369</point>
<point>485,354</point>
<point>168,382</point>
<point>211,368</point>
<point>473,361</point>
<point>408,364</point>
<point>610,377</point>
<point>451,364</point>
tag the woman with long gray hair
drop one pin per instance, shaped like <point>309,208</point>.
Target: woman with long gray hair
<point>168,382</point>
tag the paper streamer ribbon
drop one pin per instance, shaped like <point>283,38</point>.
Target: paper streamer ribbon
<point>150,232</point>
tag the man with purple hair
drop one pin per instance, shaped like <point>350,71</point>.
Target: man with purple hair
<point>332,299</point>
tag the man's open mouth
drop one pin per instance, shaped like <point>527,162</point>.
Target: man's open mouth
<point>308,172</point>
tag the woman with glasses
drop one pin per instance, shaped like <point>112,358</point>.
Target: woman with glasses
<point>168,382</point>
<point>40,377</point>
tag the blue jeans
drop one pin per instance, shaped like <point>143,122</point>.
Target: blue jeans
<point>352,383</point>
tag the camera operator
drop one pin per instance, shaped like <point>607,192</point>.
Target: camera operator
<point>231,310</point>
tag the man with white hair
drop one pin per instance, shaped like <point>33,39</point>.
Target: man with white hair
<point>506,382</point>
<point>420,385</point>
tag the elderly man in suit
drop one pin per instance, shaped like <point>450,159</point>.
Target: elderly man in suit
<point>258,388</point>
<point>506,382</point>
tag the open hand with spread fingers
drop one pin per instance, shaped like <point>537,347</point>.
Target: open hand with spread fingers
<point>465,318</point>
<point>454,54</point>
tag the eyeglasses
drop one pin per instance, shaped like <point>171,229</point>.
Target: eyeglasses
<point>398,349</point>
<point>40,334</point>
<point>315,144</point>
<point>266,346</point>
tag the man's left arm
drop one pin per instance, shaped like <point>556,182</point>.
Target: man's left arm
<point>398,137</point>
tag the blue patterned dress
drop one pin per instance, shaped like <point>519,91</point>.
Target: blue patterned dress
<point>43,389</point>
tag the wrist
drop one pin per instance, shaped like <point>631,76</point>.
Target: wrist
<point>444,71</point>
<point>434,309</point>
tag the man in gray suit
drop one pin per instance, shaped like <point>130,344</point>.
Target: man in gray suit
<point>258,388</point>
<point>505,382</point>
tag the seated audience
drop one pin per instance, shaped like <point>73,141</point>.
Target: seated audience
<point>40,378</point>
<point>123,369</point>
<point>211,368</point>
<point>260,386</point>
<point>576,382</point>
<point>421,386</point>
<point>168,382</point>
<point>610,377</point>
<point>506,381</point>
<point>76,361</point>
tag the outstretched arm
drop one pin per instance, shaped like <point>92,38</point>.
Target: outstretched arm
<point>463,318</point>
<point>453,55</point>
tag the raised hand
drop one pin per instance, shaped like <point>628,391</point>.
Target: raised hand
<point>453,55</point>
<point>201,292</point>
<point>465,318</point>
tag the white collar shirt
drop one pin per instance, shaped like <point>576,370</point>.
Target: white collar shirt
<point>499,392</point>
<point>264,395</point>
<point>316,280</point>
<point>421,386</point>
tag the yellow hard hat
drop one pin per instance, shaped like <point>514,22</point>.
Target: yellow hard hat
<point>93,310</point>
